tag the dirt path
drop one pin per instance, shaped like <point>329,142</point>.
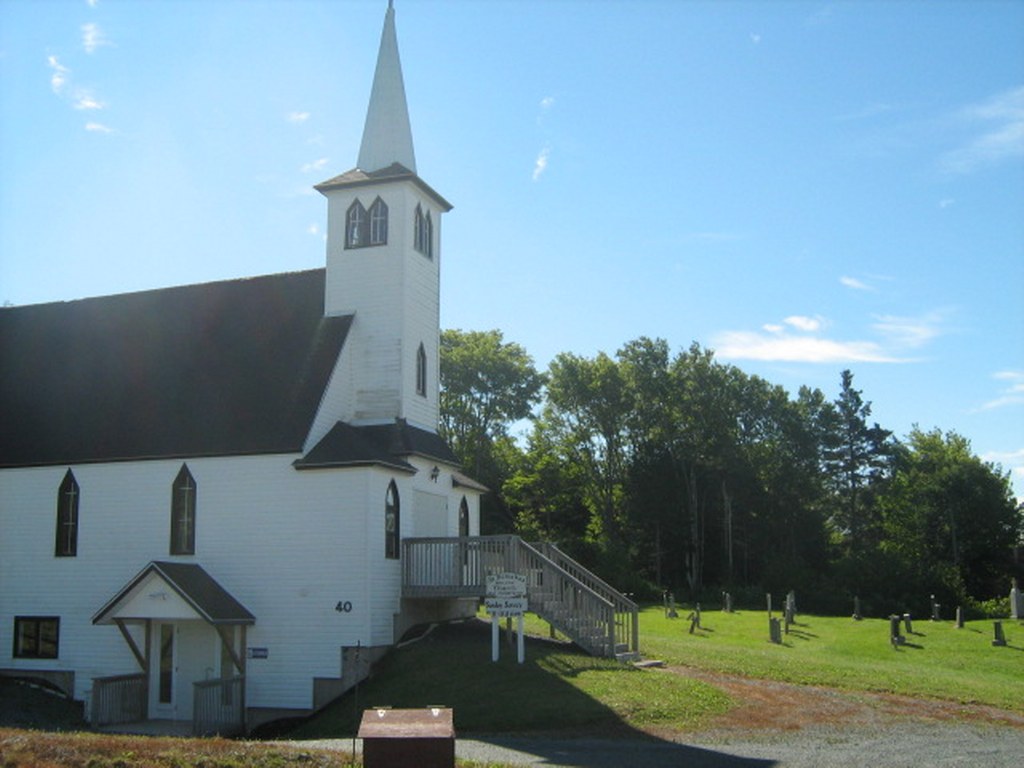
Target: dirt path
<point>767,705</point>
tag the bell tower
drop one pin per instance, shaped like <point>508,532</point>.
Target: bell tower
<point>383,260</point>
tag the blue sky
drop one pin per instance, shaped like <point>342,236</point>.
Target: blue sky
<point>802,186</point>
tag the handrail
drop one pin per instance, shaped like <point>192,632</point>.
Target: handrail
<point>560,590</point>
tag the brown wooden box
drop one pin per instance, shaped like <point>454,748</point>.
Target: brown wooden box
<point>398,738</point>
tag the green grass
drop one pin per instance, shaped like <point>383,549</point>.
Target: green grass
<point>557,687</point>
<point>940,661</point>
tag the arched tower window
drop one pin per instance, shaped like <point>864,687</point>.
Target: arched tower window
<point>378,222</point>
<point>356,226</point>
<point>183,513</point>
<point>423,234</point>
<point>421,371</point>
<point>392,522</point>
<point>67,517</point>
<point>463,517</point>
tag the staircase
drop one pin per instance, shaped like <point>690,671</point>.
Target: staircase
<point>577,603</point>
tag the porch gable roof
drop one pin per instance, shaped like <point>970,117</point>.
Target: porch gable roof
<point>190,582</point>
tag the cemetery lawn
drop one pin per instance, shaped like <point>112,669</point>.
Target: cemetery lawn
<point>939,661</point>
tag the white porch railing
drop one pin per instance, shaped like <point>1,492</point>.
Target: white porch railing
<point>218,707</point>
<point>118,699</point>
<point>561,591</point>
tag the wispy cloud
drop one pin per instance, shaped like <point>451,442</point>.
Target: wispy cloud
<point>806,339</point>
<point>316,165</point>
<point>94,127</point>
<point>541,163</point>
<point>85,100</point>
<point>997,133</point>
<point>1011,394</point>
<point>297,117</point>
<point>787,347</point>
<point>855,283</point>
<point>909,332</point>
<point>755,37</point>
<point>58,74</point>
<point>804,323</point>
<point>93,37</point>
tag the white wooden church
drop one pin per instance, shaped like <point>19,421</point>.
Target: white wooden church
<point>220,502</point>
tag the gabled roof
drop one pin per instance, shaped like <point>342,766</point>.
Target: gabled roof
<point>382,444</point>
<point>226,368</point>
<point>194,585</point>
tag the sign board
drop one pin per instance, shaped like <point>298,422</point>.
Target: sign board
<point>506,585</point>
<point>258,653</point>
<point>505,606</point>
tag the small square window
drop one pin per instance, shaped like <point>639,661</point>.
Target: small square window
<point>36,637</point>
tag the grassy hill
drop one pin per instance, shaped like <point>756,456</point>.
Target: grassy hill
<point>561,688</point>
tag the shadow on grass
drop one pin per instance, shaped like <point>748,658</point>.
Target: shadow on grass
<point>550,707</point>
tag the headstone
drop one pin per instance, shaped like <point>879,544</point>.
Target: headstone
<point>856,609</point>
<point>791,602</point>
<point>697,611</point>
<point>935,610</point>
<point>790,616</point>
<point>907,625</point>
<point>694,620</point>
<point>1016,602</point>
<point>959,617</point>
<point>727,602</point>
<point>894,631</point>
<point>1000,638</point>
<point>775,631</point>
<point>670,606</point>
<point>769,596</point>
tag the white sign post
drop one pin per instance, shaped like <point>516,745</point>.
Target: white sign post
<point>506,596</point>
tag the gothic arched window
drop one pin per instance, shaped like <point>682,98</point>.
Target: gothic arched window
<point>356,226</point>
<point>423,234</point>
<point>421,371</point>
<point>67,517</point>
<point>463,517</point>
<point>183,513</point>
<point>392,522</point>
<point>378,222</point>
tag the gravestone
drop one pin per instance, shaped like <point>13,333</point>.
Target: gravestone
<point>894,631</point>
<point>670,606</point>
<point>959,617</point>
<point>790,615</point>
<point>694,619</point>
<point>935,610</point>
<point>727,602</point>
<point>697,611</point>
<point>775,631</point>
<point>769,596</point>
<point>1016,602</point>
<point>856,609</point>
<point>1000,638</point>
<point>907,625</point>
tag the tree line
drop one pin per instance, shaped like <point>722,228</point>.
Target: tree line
<point>675,471</point>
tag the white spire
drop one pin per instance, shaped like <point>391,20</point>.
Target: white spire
<point>387,135</point>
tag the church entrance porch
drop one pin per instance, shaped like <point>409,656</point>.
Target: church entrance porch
<point>188,637</point>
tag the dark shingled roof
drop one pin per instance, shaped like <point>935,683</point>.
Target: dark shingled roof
<point>387,444</point>
<point>394,172</point>
<point>198,588</point>
<point>226,368</point>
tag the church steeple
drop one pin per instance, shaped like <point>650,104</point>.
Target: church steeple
<point>387,134</point>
